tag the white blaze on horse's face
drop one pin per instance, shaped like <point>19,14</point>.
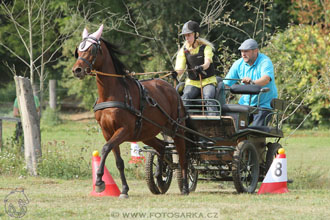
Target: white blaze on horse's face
<point>85,44</point>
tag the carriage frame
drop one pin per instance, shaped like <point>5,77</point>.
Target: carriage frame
<point>225,147</point>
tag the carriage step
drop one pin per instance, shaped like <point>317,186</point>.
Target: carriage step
<point>216,178</point>
<point>225,148</point>
<point>206,143</point>
<point>208,168</point>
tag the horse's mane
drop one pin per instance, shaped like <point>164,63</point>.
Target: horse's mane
<point>114,50</point>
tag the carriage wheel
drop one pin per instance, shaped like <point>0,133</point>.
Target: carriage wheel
<point>158,173</point>
<point>192,178</point>
<point>271,154</point>
<point>245,168</point>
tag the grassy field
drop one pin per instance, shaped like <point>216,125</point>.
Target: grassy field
<point>68,198</point>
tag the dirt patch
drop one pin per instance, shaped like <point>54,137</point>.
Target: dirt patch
<point>80,116</point>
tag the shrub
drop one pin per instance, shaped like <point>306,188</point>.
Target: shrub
<point>301,60</point>
<point>8,93</point>
<point>12,160</point>
<point>56,163</point>
<point>50,117</point>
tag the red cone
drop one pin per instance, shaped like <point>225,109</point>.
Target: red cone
<point>111,188</point>
<point>276,177</point>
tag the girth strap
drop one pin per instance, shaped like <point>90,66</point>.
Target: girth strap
<point>122,105</point>
<point>115,104</point>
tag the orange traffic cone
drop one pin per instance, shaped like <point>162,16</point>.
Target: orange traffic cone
<point>276,178</point>
<point>136,157</point>
<point>111,188</point>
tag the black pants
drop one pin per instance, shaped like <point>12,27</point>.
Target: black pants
<point>19,135</point>
<point>262,118</point>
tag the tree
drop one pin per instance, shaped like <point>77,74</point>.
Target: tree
<point>32,35</point>
<point>301,60</point>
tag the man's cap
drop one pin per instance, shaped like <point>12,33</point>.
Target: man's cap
<point>248,44</point>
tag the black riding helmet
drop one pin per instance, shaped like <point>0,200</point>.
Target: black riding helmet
<point>190,27</point>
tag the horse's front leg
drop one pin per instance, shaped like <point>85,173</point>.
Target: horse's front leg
<point>121,167</point>
<point>117,138</point>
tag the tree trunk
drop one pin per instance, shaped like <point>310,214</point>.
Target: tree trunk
<point>30,123</point>
<point>30,41</point>
<point>52,94</point>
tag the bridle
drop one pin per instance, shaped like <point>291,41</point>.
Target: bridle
<point>95,48</point>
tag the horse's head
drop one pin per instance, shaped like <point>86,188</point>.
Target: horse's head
<point>87,52</point>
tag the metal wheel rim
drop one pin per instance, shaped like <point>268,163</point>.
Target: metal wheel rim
<point>247,171</point>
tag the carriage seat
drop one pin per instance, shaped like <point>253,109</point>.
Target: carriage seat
<point>243,89</point>
<point>220,94</point>
<point>238,108</point>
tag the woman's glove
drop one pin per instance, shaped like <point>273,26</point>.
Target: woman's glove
<point>174,74</point>
<point>199,69</point>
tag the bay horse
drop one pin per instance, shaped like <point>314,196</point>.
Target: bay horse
<point>129,110</point>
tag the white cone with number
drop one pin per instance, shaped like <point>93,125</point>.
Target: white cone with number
<point>136,156</point>
<point>276,178</point>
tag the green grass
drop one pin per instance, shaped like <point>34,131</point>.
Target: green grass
<point>307,156</point>
<point>68,198</point>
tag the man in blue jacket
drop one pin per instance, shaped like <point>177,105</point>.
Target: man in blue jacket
<point>254,68</point>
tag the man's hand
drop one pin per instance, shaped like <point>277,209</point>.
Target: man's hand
<point>247,80</point>
<point>199,69</point>
<point>264,80</point>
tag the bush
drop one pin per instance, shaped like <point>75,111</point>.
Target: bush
<point>301,60</point>
<point>57,163</point>
<point>50,117</point>
<point>8,93</point>
<point>12,160</point>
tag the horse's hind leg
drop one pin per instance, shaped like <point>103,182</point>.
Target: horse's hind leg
<point>181,149</point>
<point>159,146</point>
<point>120,166</point>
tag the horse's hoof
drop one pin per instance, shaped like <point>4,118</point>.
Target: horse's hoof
<point>123,196</point>
<point>100,188</point>
<point>185,192</point>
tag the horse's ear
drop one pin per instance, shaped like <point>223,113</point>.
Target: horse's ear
<point>85,33</point>
<point>98,33</point>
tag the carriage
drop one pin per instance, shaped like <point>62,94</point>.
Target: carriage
<point>224,147</point>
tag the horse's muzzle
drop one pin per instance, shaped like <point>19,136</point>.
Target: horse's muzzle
<point>78,72</point>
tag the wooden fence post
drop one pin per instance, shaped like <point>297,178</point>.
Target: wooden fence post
<point>52,94</point>
<point>0,134</point>
<point>30,123</point>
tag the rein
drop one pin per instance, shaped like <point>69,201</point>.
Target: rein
<point>95,72</point>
